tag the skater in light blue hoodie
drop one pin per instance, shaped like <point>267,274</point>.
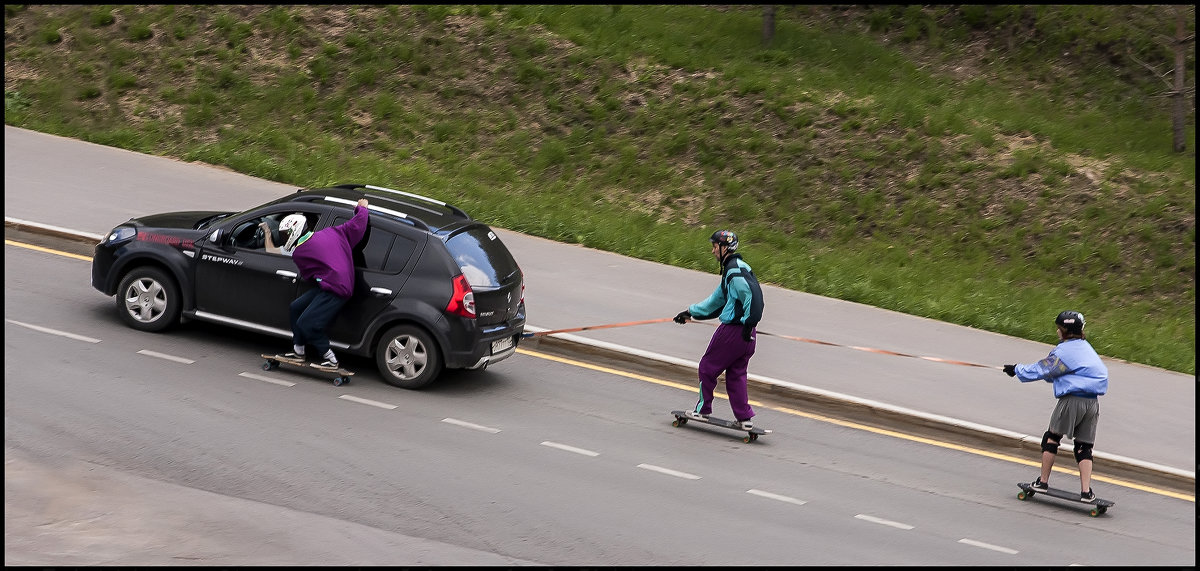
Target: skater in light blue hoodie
<point>1079,377</point>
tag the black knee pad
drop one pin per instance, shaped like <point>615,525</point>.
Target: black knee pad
<point>1083,451</point>
<point>1051,447</point>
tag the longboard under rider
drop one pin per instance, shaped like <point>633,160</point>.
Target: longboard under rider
<point>1098,506</point>
<point>339,376</point>
<point>682,418</point>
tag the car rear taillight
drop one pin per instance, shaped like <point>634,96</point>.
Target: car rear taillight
<point>463,301</point>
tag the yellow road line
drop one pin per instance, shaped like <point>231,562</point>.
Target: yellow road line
<point>857,426</point>
<point>8,242</point>
<point>692,388</point>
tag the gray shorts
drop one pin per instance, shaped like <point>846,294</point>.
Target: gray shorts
<point>1076,418</point>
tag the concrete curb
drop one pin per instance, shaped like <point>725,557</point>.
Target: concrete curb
<point>767,382</point>
<point>813,392</point>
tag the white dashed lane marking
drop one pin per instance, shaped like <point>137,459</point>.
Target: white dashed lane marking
<point>669,471</point>
<point>470,425</point>
<point>988,546</point>
<point>882,521</point>
<point>368,402</point>
<point>53,331</point>
<point>570,448</point>
<point>158,355</point>
<point>778,497</point>
<point>266,379</point>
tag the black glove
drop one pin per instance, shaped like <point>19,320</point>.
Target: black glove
<point>1010,370</point>
<point>683,317</point>
<point>746,330</point>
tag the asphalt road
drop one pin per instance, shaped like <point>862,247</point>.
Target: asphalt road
<point>1148,415</point>
<point>125,457</point>
<point>125,448</point>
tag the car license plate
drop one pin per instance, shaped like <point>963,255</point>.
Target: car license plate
<point>502,345</point>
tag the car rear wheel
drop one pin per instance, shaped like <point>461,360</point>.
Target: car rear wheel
<point>407,357</point>
<point>148,300</point>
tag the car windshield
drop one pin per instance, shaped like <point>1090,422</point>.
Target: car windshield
<point>208,221</point>
<point>484,259</point>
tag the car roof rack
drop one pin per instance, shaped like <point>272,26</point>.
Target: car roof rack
<point>397,214</point>
<point>454,209</point>
<point>417,222</point>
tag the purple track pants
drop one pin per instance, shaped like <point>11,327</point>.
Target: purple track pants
<point>727,353</point>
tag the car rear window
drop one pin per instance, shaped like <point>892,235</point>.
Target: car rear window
<point>484,259</point>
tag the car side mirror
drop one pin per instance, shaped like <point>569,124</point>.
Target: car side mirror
<point>217,238</point>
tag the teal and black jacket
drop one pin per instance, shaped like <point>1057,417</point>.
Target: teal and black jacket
<point>738,300</point>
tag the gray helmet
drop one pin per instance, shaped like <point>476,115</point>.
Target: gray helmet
<point>725,238</point>
<point>1070,321</point>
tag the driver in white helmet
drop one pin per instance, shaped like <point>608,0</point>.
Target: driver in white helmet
<point>290,229</point>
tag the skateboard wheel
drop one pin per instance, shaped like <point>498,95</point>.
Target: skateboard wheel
<point>748,439</point>
<point>1022,496</point>
<point>337,382</point>
<point>753,437</point>
<point>268,366</point>
<point>679,421</point>
<point>1095,512</point>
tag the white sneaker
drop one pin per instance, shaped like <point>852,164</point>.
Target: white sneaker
<point>696,415</point>
<point>746,424</point>
<point>325,365</point>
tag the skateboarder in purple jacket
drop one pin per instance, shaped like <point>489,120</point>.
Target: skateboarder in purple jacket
<point>738,302</point>
<point>327,257</point>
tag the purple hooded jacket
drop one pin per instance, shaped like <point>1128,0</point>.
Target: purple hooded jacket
<point>327,257</point>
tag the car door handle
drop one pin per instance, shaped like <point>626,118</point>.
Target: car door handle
<point>286,274</point>
<point>381,291</point>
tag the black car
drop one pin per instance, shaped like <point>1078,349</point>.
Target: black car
<point>435,288</point>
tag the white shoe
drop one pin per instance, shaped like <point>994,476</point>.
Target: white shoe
<point>325,365</point>
<point>695,415</point>
<point>746,424</point>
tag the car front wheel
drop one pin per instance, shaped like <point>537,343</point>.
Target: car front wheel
<point>407,357</point>
<point>148,300</point>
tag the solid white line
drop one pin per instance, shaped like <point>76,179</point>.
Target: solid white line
<point>669,471</point>
<point>166,356</point>
<point>776,497</point>
<point>882,521</point>
<point>470,425</point>
<point>55,229</point>
<point>570,448</point>
<point>370,402</point>
<point>53,331</point>
<point>988,546</point>
<point>266,379</point>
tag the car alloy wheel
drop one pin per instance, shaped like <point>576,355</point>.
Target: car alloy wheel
<point>148,299</point>
<point>407,357</point>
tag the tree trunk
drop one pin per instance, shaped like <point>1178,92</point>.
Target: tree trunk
<point>768,29</point>
<point>1179,109</point>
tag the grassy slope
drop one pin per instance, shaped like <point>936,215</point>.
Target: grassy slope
<point>945,176</point>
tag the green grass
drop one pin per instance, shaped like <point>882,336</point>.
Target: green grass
<point>936,164</point>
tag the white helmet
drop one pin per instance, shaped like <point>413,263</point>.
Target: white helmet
<point>293,225</point>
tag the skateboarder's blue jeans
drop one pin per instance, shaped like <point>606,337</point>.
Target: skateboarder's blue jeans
<point>728,353</point>
<point>311,315</point>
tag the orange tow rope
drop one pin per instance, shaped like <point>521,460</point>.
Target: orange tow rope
<point>805,340</point>
<point>590,327</point>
